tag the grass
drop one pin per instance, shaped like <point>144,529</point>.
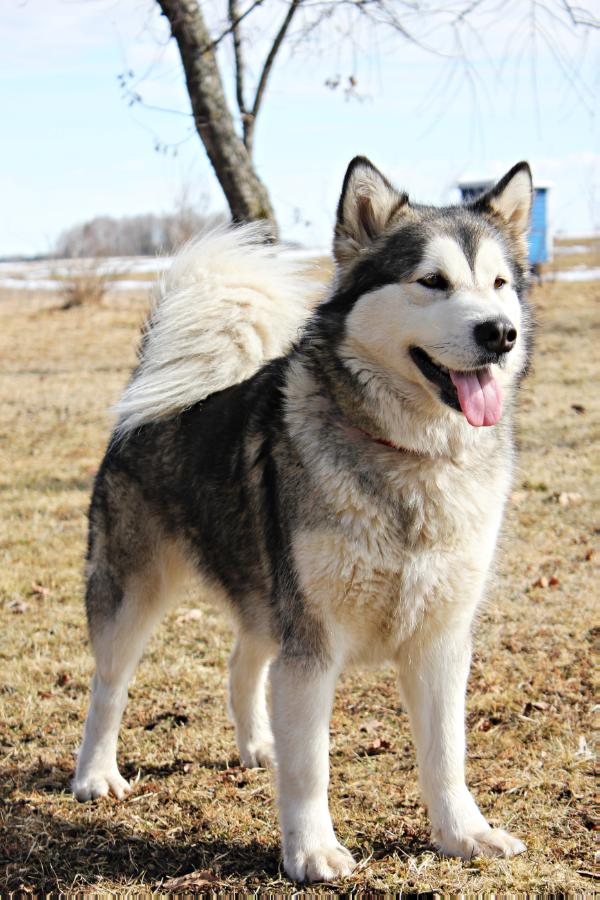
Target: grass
<point>586,251</point>
<point>197,821</point>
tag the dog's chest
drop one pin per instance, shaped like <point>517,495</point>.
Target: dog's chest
<point>385,565</point>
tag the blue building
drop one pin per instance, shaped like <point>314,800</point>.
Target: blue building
<point>540,234</point>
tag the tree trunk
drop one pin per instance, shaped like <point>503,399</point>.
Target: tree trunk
<point>246,195</point>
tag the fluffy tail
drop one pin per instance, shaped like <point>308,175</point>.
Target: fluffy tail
<point>227,305</point>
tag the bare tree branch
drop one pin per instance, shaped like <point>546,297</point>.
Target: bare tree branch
<point>352,27</point>
<point>387,16</point>
<point>250,121</point>
<point>234,24</point>
<point>581,16</point>
<point>247,196</point>
<point>235,20</point>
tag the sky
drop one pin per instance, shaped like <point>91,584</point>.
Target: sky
<point>73,148</point>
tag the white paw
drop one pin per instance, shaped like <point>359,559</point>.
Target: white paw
<point>259,754</point>
<point>91,785</point>
<point>328,862</point>
<point>487,842</point>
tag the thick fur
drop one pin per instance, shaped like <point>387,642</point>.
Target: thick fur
<point>325,489</point>
<point>217,318</point>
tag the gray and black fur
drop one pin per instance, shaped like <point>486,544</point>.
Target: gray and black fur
<point>228,483</point>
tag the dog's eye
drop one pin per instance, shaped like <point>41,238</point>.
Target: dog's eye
<point>435,282</point>
<point>499,282</point>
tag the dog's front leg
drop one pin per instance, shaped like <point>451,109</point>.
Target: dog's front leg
<point>301,708</point>
<point>433,679</point>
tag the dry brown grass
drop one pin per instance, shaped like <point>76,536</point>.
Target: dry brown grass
<point>194,809</point>
<point>84,282</point>
<point>563,259</point>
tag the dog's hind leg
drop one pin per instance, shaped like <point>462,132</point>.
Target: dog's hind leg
<point>248,673</point>
<point>121,621</point>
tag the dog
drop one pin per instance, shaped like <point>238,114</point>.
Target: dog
<point>335,476</point>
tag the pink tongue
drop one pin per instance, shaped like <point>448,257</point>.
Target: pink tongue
<point>479,395</point>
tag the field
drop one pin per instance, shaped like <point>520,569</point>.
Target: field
<point>196,820</point>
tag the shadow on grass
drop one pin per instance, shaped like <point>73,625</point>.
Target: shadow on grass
<point>61,855</point>
<point>46,850</point>
<point>43,850</point>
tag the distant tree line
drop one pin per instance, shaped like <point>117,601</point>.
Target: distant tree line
<point>142,235</point>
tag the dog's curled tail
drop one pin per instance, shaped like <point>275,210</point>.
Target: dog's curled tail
<point>228,304</point>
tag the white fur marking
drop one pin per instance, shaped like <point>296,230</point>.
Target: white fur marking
<point>444,255</point>
<point>489,264</point>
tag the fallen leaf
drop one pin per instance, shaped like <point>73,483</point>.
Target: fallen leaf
<point>371,725</point>
<point>531,705</point>
<point>499,787</point>
<point>236,775</point>
<point>379,745</point>
<point>486,724</point>
<point>200,878</point>
<point>18,607</point>
<point>149,788</point>
<point>566,498</point>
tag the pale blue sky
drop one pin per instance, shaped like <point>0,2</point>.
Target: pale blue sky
<point>71,148</point>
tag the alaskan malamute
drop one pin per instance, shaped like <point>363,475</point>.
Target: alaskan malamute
<point>329,476</point>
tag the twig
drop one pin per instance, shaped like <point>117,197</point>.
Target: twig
<point>266,70</point>
<point>235,20</point>
<point>580,16</point>
<point>233,25</point>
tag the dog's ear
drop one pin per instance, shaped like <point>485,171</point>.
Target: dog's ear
<point>367,204</point>
<point>510,202</point>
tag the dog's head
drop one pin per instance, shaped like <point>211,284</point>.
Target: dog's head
<point>434,295</point>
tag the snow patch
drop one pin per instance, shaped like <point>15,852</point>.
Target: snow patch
<point>579,273</point>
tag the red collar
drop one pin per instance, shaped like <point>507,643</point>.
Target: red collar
<point>379,440</point>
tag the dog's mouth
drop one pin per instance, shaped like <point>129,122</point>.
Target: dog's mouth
<point>477,393</point>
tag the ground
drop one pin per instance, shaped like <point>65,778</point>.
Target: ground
<point>199,821</point>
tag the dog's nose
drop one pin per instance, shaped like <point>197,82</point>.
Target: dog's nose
<point>496,335</point>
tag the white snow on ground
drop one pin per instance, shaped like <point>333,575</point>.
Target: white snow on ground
<point>568,249</point>
<point>47,275</point>
<point>29,284</point>
<point>46,284</point>
<point>579,273</point>
<point>61,268</point>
